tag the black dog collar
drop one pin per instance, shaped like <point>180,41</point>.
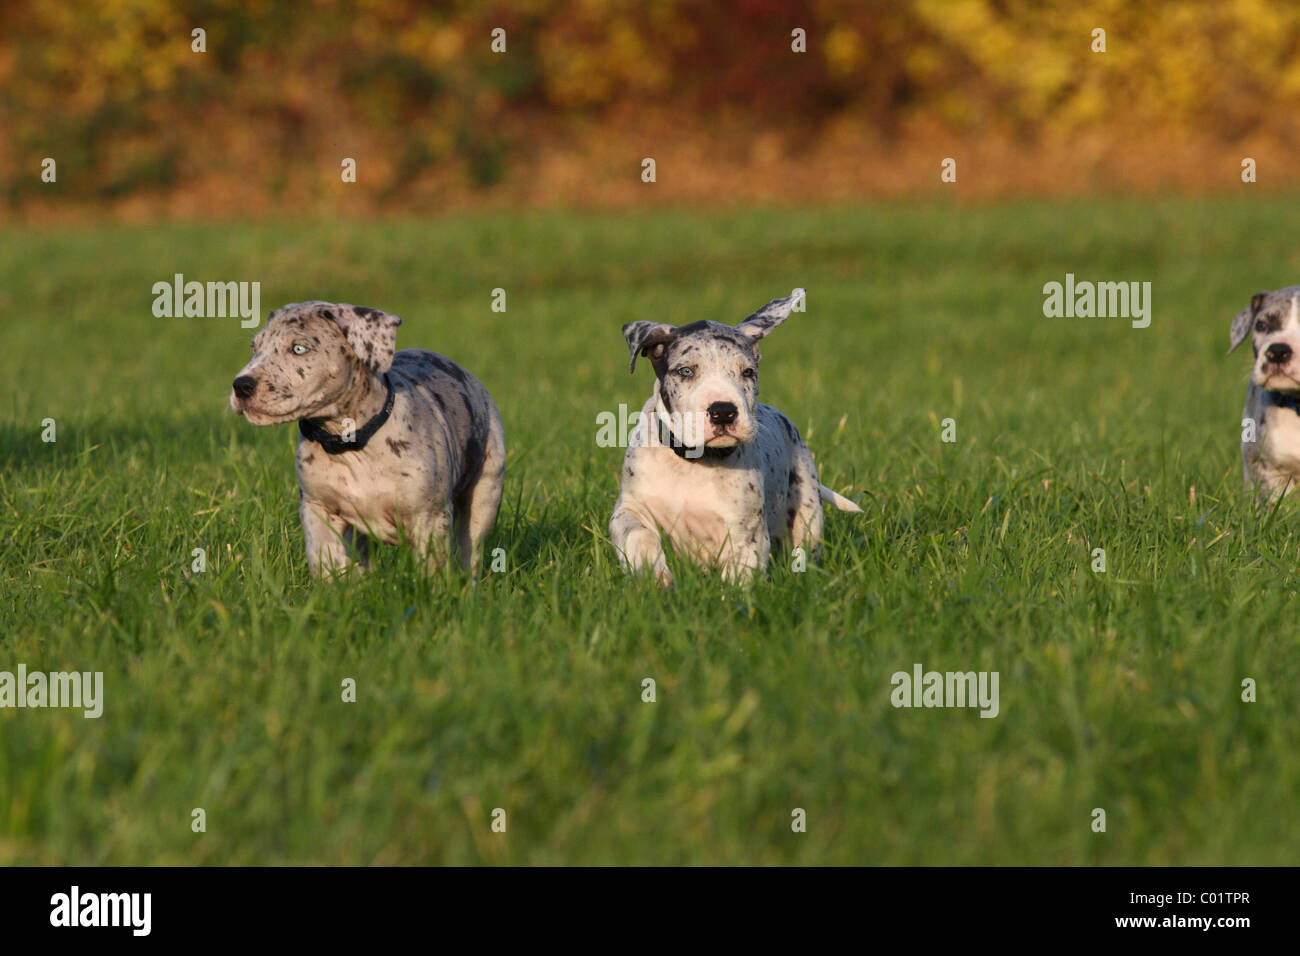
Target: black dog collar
<point>335,444</point>
<point>1286,401</point>
<point>666,437</point>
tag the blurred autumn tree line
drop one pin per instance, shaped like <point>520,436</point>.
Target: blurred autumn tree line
<point>135,119</point>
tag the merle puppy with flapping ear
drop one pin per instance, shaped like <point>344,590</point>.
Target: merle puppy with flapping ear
<point>720,474</point>
<point>392,445</point>
<point>1270,431</point>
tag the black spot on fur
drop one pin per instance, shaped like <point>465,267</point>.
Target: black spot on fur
<point>474,452</point>
<point>473,464</point>
<point>397,446</point>
<point>449,368</point>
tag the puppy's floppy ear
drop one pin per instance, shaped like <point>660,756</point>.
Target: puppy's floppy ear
<point>371,333</point>
<point>1244,319</point>
<point>648,339</point>
<point>771,315</point>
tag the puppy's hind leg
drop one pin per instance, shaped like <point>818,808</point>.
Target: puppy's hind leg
<point>804,506</point>
<point>806,528</point>
<point>476,508</point>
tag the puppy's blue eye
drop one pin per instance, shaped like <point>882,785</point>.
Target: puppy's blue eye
<point>1259,326</point>
<point>300,350</point>
<point>686,371</point>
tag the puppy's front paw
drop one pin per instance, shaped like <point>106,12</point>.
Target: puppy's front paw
<point>738,575</point>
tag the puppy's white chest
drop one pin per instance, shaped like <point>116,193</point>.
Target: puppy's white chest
<point>1281,447</point>
<point>701,508</point>
<point>691,522</point>
<point>355,487</point>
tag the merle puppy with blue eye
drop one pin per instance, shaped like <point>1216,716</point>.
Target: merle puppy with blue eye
<point>395,445</point>
<point>723,476</point>
<point>1270,433</point>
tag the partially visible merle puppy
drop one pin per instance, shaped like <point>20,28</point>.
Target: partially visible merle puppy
<point>1270,445</point>
<point>723,476</point>
<point>392,445</point>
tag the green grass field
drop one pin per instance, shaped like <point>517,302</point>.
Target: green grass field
<point>222,689</point>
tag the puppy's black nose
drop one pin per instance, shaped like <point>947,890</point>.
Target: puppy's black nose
<point>722,413</point>
<point>245,386</point>
<point>1278,352</point>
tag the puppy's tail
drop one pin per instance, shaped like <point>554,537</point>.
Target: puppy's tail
<point>838,501</point>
